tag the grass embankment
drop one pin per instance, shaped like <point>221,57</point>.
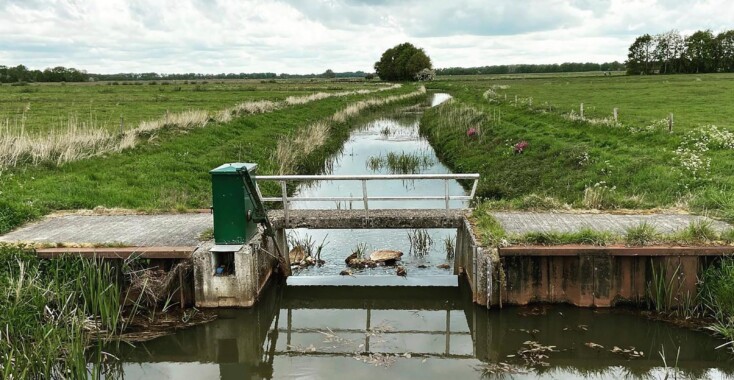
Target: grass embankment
<point>594,163</point>
<point>52,312</point>
<point>79,140</point>
<point>170,171</point>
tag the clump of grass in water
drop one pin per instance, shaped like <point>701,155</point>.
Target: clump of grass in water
<point>661,290</point>
<point>360,251</point>
<point>641,235</point>
<point>386,132</point>
<point>308,244</point>
<point>402,163</point>
<point>449,244</point>
<point>420,242</point>
<point>717,298</point>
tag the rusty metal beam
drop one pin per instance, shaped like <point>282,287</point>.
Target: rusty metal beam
<point>119,252</point>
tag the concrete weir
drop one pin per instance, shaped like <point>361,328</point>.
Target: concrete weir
<point>249,268</point>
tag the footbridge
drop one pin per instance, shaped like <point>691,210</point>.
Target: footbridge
<point>250,238</point>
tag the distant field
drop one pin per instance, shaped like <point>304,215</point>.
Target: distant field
<point>593,162</point>
<point>694,100</point>
<point>42,107</point>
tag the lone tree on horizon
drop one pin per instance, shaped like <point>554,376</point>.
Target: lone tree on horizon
<point>402,63</point>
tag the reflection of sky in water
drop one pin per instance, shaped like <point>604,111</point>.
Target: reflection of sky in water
<point>340,244</point>
<point>371,142</point>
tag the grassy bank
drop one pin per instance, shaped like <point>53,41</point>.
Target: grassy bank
<point>532,158</point>
<point>169,171</point>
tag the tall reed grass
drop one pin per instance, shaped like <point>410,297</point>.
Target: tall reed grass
<point>292,148</point>
<point>78,139</point>
<point>53,311</point>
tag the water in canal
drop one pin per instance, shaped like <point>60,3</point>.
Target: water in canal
<point>414,333</point>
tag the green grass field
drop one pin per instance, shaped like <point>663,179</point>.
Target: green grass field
<point>169,170</point>
<point>592,163</point>
<point>42,107</point>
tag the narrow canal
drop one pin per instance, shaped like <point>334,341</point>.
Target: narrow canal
<point>409,333</point>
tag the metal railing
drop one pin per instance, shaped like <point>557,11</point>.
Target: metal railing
<point>365,198</point>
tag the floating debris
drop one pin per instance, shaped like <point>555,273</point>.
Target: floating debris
<point>535,353</point>
<point>422,266</point>
<point>630,353</point>
<point>594,345</point>
<point>401,271</point>
<point>443,266</point>
<point>345,272</point>
<point>386,256</point>
<point>501,368</point>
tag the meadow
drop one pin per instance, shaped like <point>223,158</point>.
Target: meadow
<point>166,169</point>
<point>38,108</point>
<point>535,150</point>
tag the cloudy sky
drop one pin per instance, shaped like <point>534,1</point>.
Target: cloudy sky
<point>306,36</point>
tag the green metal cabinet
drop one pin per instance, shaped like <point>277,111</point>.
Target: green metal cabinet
<point>232,205</point>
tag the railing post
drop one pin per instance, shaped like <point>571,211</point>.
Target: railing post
<point>284,189</point>
<point>364,199</point>
<point>446,189</point>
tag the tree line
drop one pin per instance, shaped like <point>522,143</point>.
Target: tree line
<point>22,74</point>
<point>671,53</point>
<point>568,67</point>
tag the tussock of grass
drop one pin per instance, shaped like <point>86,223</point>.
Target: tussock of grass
<point>698,232</point>
<point>585,236</point>
<point>400,163</point>
<point>641,235</point>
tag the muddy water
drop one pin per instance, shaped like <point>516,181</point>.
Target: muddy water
<point>414,333</point>
<point>419,334</point>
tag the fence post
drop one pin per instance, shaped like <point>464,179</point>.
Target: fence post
<point>284,190</point>
<point>616,117</point>
<point>581,111</point>
<point>364,199</point>
<point>515,101</point>
<point>670,123</point>
<point>122,124</point>
<point>446,189</point>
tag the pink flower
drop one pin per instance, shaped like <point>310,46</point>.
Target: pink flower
<point>519,147</point>
<point>472,132</point>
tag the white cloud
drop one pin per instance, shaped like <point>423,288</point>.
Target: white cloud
<point>296,36</point>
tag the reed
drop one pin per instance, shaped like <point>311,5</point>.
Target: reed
<point>420,242</point>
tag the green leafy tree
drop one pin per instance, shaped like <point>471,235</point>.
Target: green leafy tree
<point>402,63</point>
<point>701,51</point>
<point>640,57</point>
<point>725,41</point>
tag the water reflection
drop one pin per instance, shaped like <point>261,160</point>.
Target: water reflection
<point>435,333</point>
<point>378,138</point>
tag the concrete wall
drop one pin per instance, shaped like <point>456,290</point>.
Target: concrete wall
<point>253,267</point>
<point>478,265</point>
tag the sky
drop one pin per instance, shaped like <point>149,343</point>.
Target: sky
<point>310,36</point>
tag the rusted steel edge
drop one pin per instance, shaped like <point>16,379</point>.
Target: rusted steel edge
<point>616,251</point>
<point>119,252</point>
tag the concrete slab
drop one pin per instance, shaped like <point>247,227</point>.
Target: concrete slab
<point>375,281</point>
<point>524,222</point>
<point>130,230</point>
<point>345,219</point>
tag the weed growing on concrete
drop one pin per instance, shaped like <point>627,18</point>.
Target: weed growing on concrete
<point>641,235</point>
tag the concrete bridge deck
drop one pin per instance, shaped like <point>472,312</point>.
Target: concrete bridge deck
<point>182,231</point>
